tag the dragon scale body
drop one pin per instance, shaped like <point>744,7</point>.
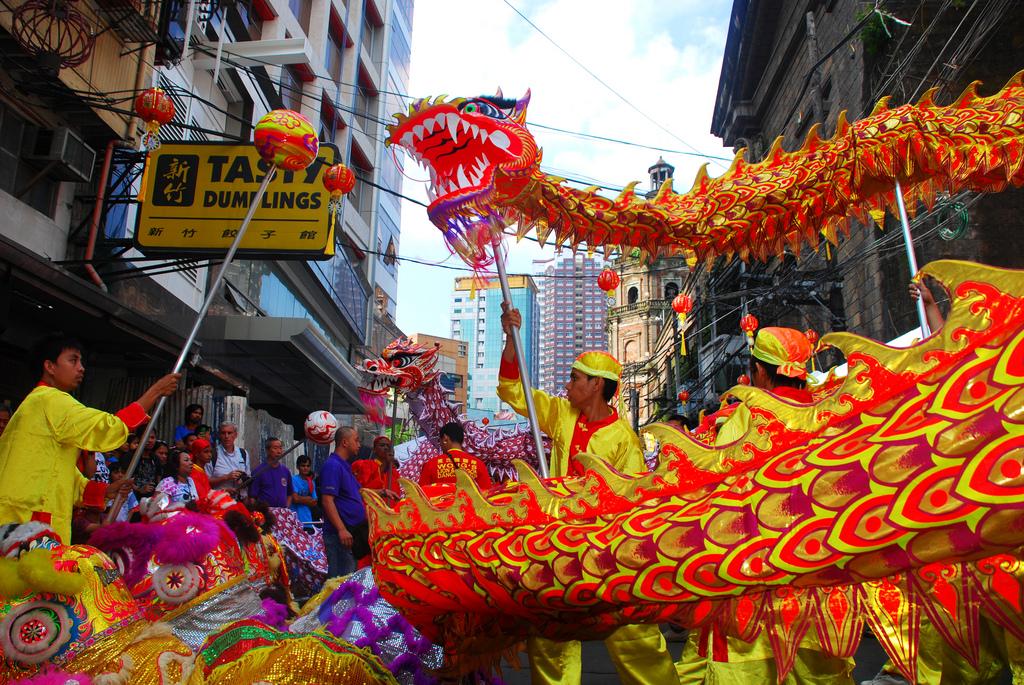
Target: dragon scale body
<point>889,488</point>
<point>485,174</point>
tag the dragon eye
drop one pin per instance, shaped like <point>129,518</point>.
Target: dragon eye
<point>482,107</point>
<point>400,360</point>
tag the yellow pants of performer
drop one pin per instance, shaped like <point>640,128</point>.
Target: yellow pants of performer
<point>639,653</point>
<point>940,664</point>
<point>754,662</point>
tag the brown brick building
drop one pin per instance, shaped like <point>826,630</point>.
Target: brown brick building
<point>453,362</point>
<point>791,63</point>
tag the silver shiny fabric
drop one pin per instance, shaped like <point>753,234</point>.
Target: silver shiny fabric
<point>233,604</point>
<point>390,645</point>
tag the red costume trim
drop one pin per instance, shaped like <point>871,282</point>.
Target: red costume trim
<point>94,495</point>
<point>133,415</point>
<point>581,434</point>
<point>508,369</point>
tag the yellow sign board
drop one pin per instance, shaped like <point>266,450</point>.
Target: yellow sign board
<point>195,196</point>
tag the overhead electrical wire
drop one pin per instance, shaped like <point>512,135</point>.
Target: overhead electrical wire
<point>354,88</point>
<point>597,78</point>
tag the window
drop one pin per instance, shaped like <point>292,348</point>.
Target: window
<point>301,10</point>
<point>15,173</point>
<point>366,104</point>
<point>671,290</point>
<point>291,89</point>
<point>333,50</point>
<point>629,350</point>
<point>373,34</point>
<point>632,295</point>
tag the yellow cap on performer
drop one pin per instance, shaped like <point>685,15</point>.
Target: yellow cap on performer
<point>600,364</point>
<point>786,348</point>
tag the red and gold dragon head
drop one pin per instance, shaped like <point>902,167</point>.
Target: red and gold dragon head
<point>478,154</point>
<point>403,365</point>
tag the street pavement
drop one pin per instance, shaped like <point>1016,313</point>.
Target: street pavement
<point>598,669</point>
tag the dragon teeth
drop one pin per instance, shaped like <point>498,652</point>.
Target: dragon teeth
<point>418,130</point>
<point>500,140</point>
<point>406,141</point>
<point>428,125</point>
<point>453,126</point>
<point>463,181</point>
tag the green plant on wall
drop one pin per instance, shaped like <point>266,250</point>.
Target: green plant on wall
<point>874,35</point>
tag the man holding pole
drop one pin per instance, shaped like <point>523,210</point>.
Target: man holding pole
<point>38,477</point>
<point>583,421</point>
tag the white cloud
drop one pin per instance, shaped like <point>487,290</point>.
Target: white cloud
<point>663,58</point>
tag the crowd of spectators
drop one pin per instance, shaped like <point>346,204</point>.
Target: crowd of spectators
<point>193,460</point>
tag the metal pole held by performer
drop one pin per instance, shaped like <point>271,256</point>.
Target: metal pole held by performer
<point>210,294</point>
<point>524,373</point>
<point>908,243</point>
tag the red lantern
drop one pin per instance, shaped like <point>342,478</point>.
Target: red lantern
<point>485,420</point>
<point>608,281</point>
<point>683,305</point>
<point>338,180</point>
<point>748,324</point>
<point>684,396</point>
<point>743,379</point>
<point>156,108</point>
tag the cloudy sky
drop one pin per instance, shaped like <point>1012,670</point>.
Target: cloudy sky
<point>661,61</point>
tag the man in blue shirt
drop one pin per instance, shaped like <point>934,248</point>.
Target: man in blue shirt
<point>345,527</point>
<point>272,481</point>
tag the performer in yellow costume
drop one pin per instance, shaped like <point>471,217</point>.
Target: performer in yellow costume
<point>583,421</point>
<point>39,480</point>
<point>778,364</point>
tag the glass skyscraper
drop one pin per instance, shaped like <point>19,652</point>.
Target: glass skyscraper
<point>476,320</point>
<point>573,310</point>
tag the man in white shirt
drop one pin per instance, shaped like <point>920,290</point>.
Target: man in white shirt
<point>230,465</point>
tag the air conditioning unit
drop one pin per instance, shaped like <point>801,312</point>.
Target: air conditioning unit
<point>67,156</point>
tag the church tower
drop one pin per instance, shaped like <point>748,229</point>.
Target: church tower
<point>637,318</point>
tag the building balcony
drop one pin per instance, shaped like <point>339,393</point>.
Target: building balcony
<point>133,20</point>
<point>645,307</point>
<point>294,52</point>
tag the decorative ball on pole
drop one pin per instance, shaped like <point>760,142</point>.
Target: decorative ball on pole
<point>608,281</point>
<point>286,140</point>
<point>684,396</point>
<point>748,324</point>
<point>683,305</point>
<point>320,427</point>
<point>743,379</point>
<point>155,107</point>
